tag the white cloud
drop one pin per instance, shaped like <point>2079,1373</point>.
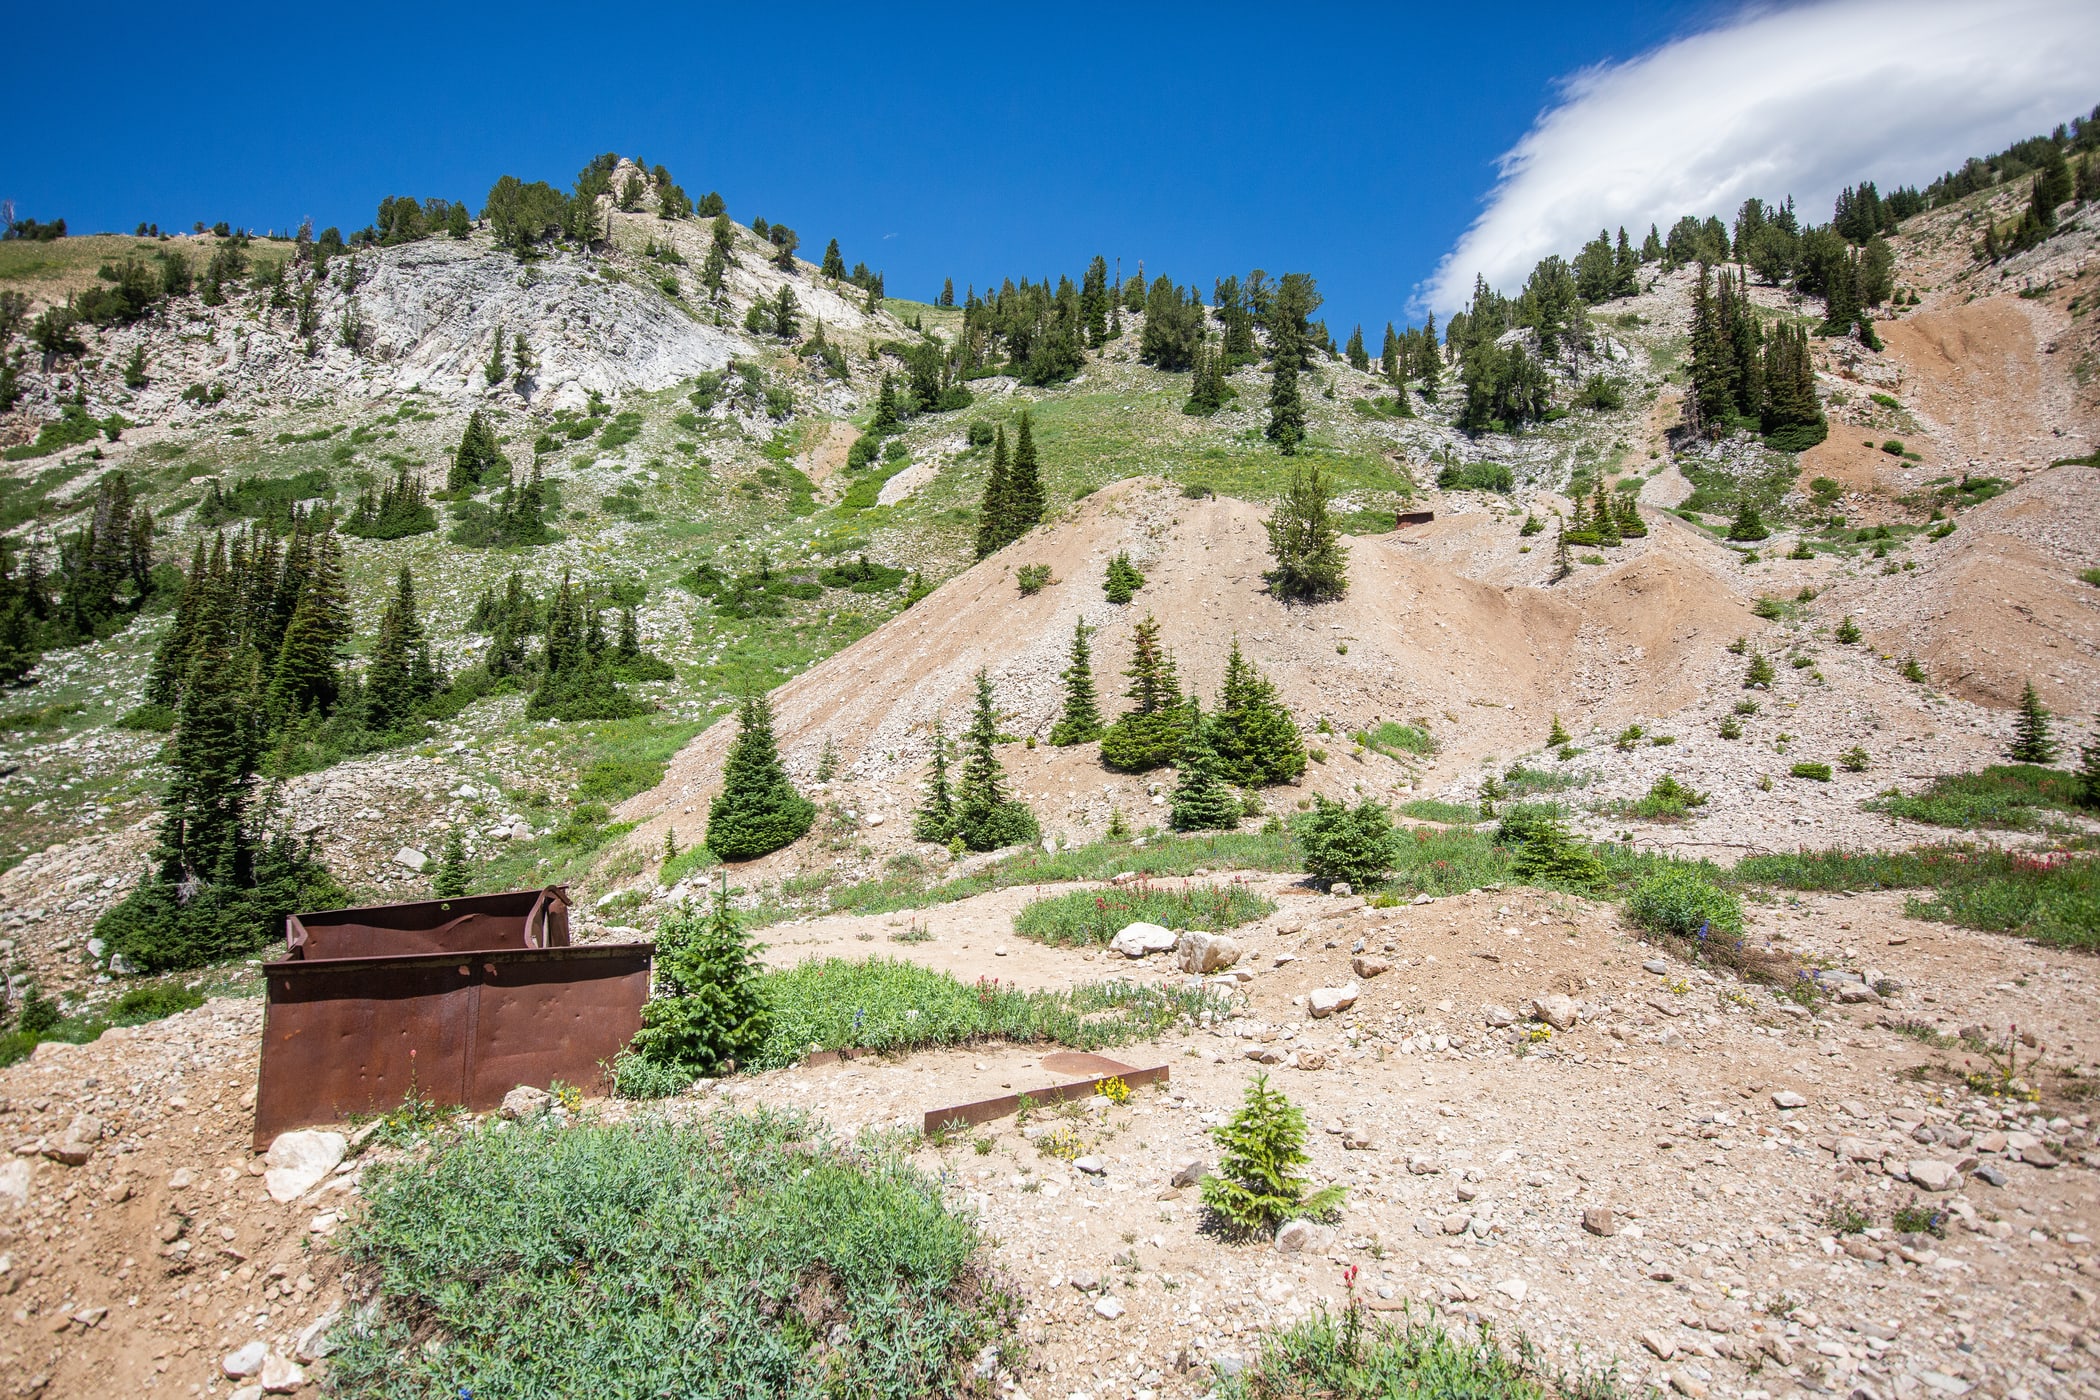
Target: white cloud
<point>1799,100</point>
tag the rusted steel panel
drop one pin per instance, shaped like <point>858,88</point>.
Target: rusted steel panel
<point>1413,517</point>
<point>344,1036</point>
<point>985,1110</point>
<point>468,923</point>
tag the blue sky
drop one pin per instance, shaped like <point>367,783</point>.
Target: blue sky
<point>1357,143</point>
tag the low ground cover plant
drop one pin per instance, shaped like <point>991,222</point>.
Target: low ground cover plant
<point>717,1258</point>
<point>1096,916</point>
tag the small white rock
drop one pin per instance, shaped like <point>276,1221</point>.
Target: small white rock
<point>246,1361</point>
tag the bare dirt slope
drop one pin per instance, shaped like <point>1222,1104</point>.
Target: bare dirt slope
<point>1483,665</point>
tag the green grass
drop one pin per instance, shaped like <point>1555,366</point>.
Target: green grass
<point>889,1005</point>
<point>1101,860</point>
<point>2005,797</point>
<point>1393,740</point>
<point>2051,899</point>
<point>1435,809</point>
<point>1521,781</point>
<point>646,1259</point>
<point>1096,916</point>
<point>1348,1357</point>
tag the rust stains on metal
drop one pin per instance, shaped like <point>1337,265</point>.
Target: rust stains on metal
<point>964,1115</point>
<point>455,1001</point>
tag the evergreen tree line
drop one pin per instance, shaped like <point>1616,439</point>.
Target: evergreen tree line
<point>105,577</point>
<point>516,514</point>
<point>577,671</point>
<point>1740,378</point>
<point>523,215</point>
<point>1013,492</point>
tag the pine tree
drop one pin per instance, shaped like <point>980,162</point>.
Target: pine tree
<point>834,265</point>
<point>995,513</point>
<point>1253,735</point>
<point>1207,384</point>
<point>1847,631</point>
<point>1429,363</point>
<point>1747,526</point>
<point>1080,722</point>
<point>1558,737</point>
<point>1256,1186</point>
<point>1286,427</point>
<point>709,1014</point>
<point>1201,802</point>
<point>307,677</point>
<point>1391,364</point>
<point>477,457</point>
<point>936,817</point>
<point>1122,580</point>
<point>1026,484</point>
<point>1358,358</point>
<point>451,880</point>
<point>985,818</point>
<point>390,687</point>
<point>2032,742</point>
<point>758,811</point>
<point>1149,734</point>
<point>495,371</point>
<point>885,419</point>
<point>2089,761</point>
<point>1562,565</point>
<point>1311,561</point>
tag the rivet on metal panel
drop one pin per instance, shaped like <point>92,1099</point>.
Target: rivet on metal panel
<point>466,972</point>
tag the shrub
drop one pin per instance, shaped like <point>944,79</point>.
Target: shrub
<point>1601,393</point>
<point>1356,844</point>
<point>1815,772</point>
<point>706,1258</point>
<point>142,1004</point>
<point>1032,578</point>
<point>1854,760</point>
<point>1681,902</point>
<point>1256,1187</point>
<point>1668,799</point>
<point>1096,916</point>
<point>2003,797</point>
<point>1768,608</point>
<point>1758,672</point>
<point>1476,476</point>
<point>1123,579</point>
<point>1328,1358</point>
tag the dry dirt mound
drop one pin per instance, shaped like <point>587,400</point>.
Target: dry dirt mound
<point>1999,602</point>
<point>1484,662</point>
<point>1977,372</point>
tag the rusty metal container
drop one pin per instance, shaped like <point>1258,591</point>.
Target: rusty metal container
<point>458,1001</point>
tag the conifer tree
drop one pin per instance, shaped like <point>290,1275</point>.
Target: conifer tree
<point>1122,580</point>
<point>834,265</point>
<point>758,810</point>
<point>985,818</point>
<point>995,514</point>
<point>936,816</point>
<point>2089,761</point>
<point>1080,722</point>
<point>1311,561</point>
<point>1359,359</point>
<point>885,419</point>
<point>1558,736</point>
<point>451,880</point>
<point>1149,734</point>
<point>1201,802</point>
<point>495,371</point>
<point>709,1013</point>
<point>1747,526</point>
<point>1256,742</point>
<point>477,456</point>
<point>1207,384</point>
<point>2032,742</point>
<point>1286,427</point>
<point>1562,565</point>
<point>1025,484</point>
<point>1256,1186</point>
<point>307,676</point>
<point>1847,631</point>
<point>1390,360</point>
<point>1429,362</point>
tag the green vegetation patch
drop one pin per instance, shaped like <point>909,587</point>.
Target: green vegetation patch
<point>1096,916</point>
<point>717,1258</point>
<point>891,1005</point>
<point>2053,899</point>
<point>1393,739</point>
<point>2007,797</point>
<point>1349,1357</point>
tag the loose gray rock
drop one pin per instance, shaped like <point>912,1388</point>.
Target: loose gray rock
<point>1085,1280</point>
<point>1090,1166</point>
<point>1110,1308</point>
<point>1294,1236</point>
<point>245,1362</point>
<point>297,1160</point>
<point>1558,1011</point>
<point>1656,966</point>
<point>412,859</point>
<point>1188,1171</point>
<point>525,1101</point>
<point>1929,1175</point>
<point>1325,1001</point>
<point>1788,1098</point>
<point>1139,940</point>
<point>1599,1220</point>
<point>1497,1015</point>
<point>1199,952</point>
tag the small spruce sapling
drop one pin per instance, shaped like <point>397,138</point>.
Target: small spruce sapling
<point>1558,736</point>
<point>1257,1186</point>
<point>1356,844</point>
<point>1758,673</point>
<point>1847,631</point>
<point>2032,742</point>
<point>451,879</point>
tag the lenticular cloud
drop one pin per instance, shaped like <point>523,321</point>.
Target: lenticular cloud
<point>1800,100</point>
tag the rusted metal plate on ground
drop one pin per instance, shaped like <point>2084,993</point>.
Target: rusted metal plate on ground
<point>985,1110</point>
<point>344,1036</point>
<point>1080,1062</point>
<point>468,923</point>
